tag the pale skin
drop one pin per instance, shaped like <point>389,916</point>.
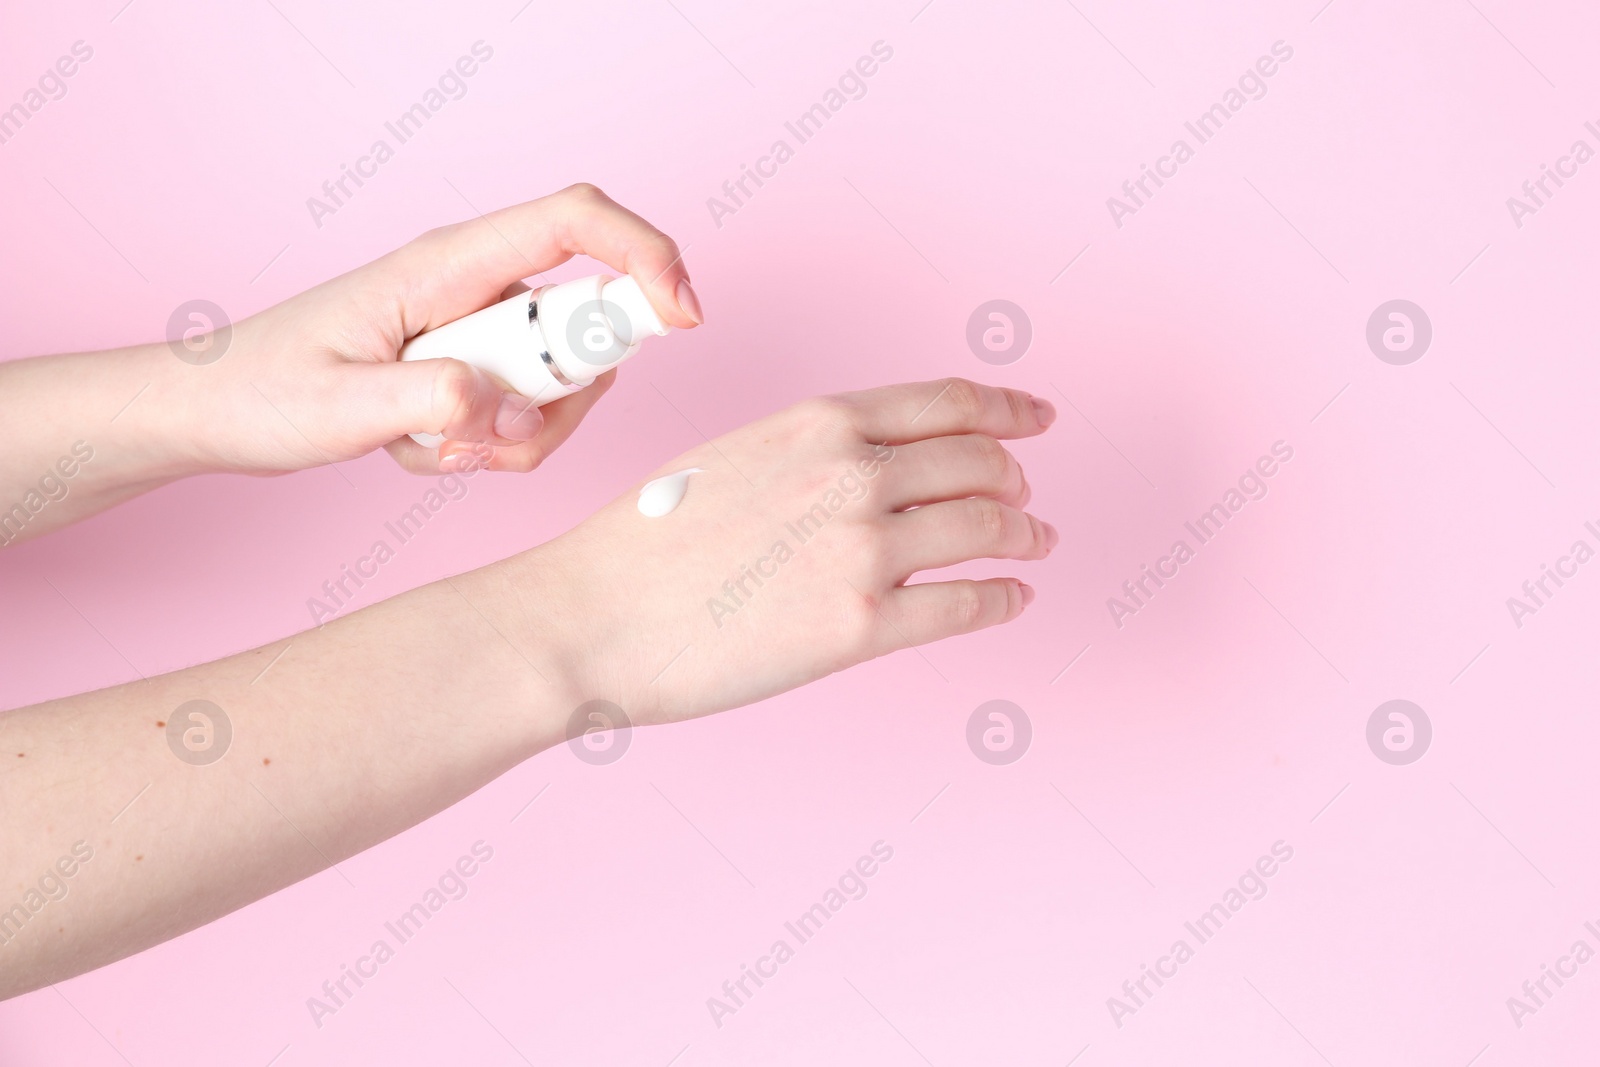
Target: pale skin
<point>371,723</point>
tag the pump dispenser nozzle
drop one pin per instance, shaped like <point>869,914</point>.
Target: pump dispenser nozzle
<point>549,342</point>
<point>637,319</point>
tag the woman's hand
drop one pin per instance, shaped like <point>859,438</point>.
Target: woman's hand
<point>316,380</point>
<point>789,555</point>
<point>786,560</point>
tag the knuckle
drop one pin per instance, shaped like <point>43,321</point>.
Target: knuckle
<point>868,545</point>
<point>1036,539</point>
<point>435,238</point>
<point>860,619</point>
<point>993,459</point>
<point>966,605</point>
<point>824,417</point>
<point>992,520</point>
<point>662,245</point>
<point>967,396</point>
<point>455,387</point>
<point>1018,407</point>
<point>518,460</point>
<point>581,191</point>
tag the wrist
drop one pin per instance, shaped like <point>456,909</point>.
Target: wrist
<point>583,629</point>
<point>513,616</point>
<point>155,426</point>
<point>212,404</point>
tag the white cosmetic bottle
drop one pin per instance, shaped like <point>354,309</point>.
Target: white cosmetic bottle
<point>549,342</point>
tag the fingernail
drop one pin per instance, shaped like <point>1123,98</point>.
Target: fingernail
<point>689,302</point>
<point>1044,411</point>
<point>1051,536</point>
<point>457,457</point>
<point>518,419</point>
<point>1027,593</point>
<point>1027,492</point>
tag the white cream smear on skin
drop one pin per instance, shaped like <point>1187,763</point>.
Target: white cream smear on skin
<point>660,496</point>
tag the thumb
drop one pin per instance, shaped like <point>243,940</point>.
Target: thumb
<point>446,397</point>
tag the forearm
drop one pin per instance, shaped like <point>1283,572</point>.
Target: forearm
<point>788,559</point>
<point>88,430</point>
<point>355,732</point>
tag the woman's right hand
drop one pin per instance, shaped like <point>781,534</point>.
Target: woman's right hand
<point>788,558</point>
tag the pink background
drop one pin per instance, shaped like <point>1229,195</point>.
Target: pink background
<point>1223,316</point>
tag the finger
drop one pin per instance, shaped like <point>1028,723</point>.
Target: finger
<point>949,468</point>
<point>597,226</point>
<point>416,458</point>
<point>420,459</point>
<point>455,270</point>
<point>898,414</point>
<point>955,531</point>
<point>438,396</point>
<point>918,614</point>
<point>561,418</point>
